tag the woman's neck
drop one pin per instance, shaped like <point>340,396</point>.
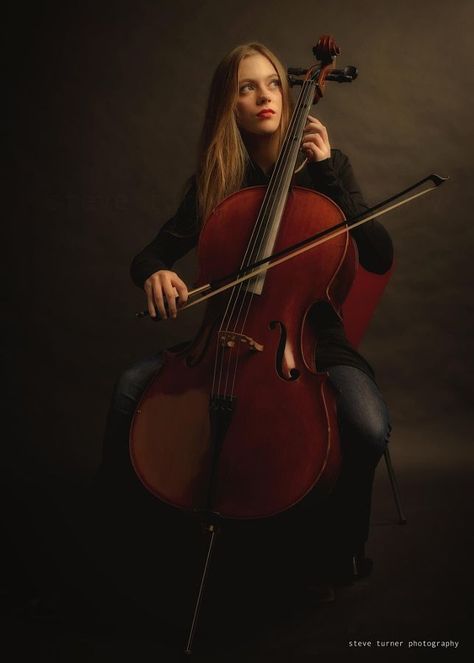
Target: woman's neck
<point>263,150</point>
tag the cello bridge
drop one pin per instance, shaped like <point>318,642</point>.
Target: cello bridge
<point>231,339</point>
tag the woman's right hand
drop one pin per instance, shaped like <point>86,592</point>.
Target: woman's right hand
<point>164,284</point>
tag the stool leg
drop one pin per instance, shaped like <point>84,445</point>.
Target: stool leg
<point>396,494</point>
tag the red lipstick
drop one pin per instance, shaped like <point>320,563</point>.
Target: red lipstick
<point>266,112</point>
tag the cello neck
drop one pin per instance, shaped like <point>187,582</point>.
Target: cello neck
<point>266,228</point>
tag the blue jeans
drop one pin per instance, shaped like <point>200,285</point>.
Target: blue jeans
<point>364,425</point>
<point>127,392</point>
<point>362,414</point>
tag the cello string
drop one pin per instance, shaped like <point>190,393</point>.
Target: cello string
<point>299,120</point>
<point>301,116</point>
<point>254,244</point>
<point>261,227</point>
<point>242,318</point>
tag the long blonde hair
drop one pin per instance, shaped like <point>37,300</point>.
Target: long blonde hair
<point>222,156</point>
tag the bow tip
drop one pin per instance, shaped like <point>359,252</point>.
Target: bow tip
<point>437,179</point>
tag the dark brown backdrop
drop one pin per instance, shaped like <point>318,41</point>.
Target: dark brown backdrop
<point>107,104</point>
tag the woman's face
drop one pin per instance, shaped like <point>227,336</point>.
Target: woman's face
<point>259,102</point>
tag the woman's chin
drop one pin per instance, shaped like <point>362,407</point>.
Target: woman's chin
<point>264,132</point>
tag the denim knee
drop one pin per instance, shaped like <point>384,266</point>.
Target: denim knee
<point>371,436</point>
<point>363,415</point>
<point>132,383</point>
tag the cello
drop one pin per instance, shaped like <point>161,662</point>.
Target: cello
<point>201,429</point>
<point>239,423</point>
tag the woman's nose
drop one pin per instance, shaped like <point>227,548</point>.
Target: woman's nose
<point>264,97</point>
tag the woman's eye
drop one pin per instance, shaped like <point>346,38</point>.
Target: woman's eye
<point>246,87</point>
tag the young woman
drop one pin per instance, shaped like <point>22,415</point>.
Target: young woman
<point>248,111</point>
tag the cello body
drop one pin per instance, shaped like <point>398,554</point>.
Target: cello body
<point>239,422</point>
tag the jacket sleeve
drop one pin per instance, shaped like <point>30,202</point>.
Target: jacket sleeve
<point>335,178</point>
<point>176,237</point>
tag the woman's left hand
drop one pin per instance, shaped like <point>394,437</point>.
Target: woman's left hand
<point>315,143</point>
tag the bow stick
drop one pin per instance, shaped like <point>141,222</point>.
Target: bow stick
<point>264,264</point>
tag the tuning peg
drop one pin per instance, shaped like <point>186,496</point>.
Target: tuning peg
<point>346,75</point>
<point>292,80</point>
<point>297,71</point>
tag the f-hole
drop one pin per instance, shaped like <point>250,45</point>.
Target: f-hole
<point>282,362</point>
